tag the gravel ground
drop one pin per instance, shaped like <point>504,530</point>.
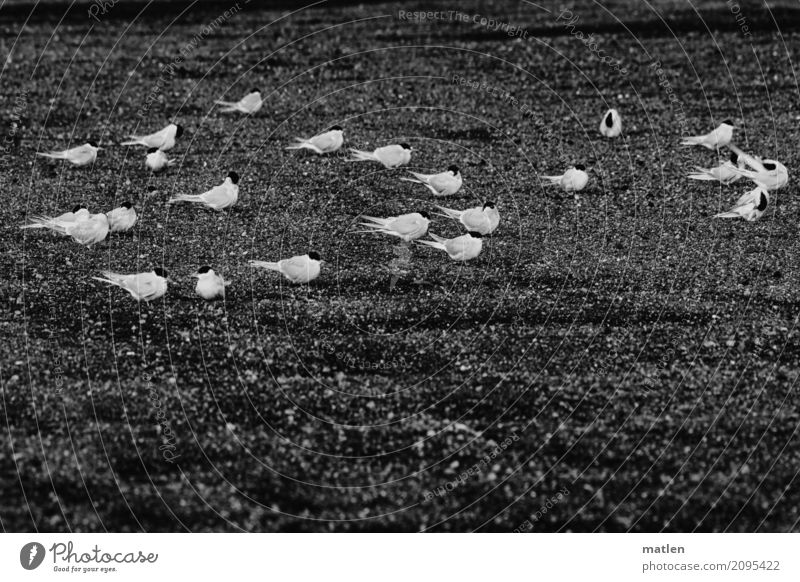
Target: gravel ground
<point>612,361</point>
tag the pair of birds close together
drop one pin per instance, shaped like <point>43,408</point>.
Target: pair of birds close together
<point>86,228</point>
<point>767,175</point>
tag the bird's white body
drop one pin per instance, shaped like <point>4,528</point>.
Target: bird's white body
<point>391,156</point>
<point>158,161</point>
<point>611,124</point>
<point>84,228</point>
<point>767,174</point>
<point>442,184</point>
<point>482,219</point>
<point>725,172</point>
<point>210,285</point>
<point>141,286</point>
<point>249,104</point>
<point>84,155</point>
<point>461,248</point>
<point>324,143</point>
<point>163,139</point>
<point>573,180</point>
<point>218,198</point>
<point>751,206</point>
<point>299,269</point>
<point>717,138</point>
<point>121,219</point>
<point>407,227</point>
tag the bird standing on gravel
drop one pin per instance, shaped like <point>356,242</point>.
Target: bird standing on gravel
<point>298,269</point>
<point>218,198</point>
<point>573,180</point>
<point>407,227</point>
<point>41,221</point>
<point>461,248</point>
<point>163,139</point>
<point>327,142</point>
<point>611,125</point>
<point>713,140</point>
<point>483,219</point>
<point>391,156</point>
<point>209,284</point>
<point>751,206</point>
<point>725,172</point>
<point>122,218</point>
<point>84,228</point>
<point>84,155</point>
<point>156,160</point>
<point>248,104</point>
<point>442,184</point>
<point>141,286</point>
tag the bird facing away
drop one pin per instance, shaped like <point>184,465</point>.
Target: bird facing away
<point>611,125</point>
<point>84,155</point>
<point>122,218</point>
<point>725,172</point>
<point>218,198</point>
<point>327,142</point>
<point>41,221</point>
<point>84,228</point>
<point>407,227</point>
<point>573,180</point>
<point>442,184</point>
<point>248,104</point>
<point>751,206</point>
<point>461,248</point>
<point>391,156</point>
<point>163,139</point>
<point>298,269</point>
<point>157,161</point>
<point>717,138</point>
<point>209,284</point>
<point>141,286</point>
<point>483,219</point>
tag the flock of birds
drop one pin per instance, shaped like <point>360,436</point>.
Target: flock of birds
<point>87,229</point>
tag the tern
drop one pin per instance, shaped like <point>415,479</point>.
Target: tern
<point>725,172</point>
<point>209,284</point>
<point>156,160</point>
<point>298,269</point>
<point>573,180</point>
<point>218,198</point>
<point>122,218</point>
<point>751,206</point>
<point>391,156</point>
<point>442,184</point>
<point>461,248</point>
<point>483,219</point>
<point>721,136</point>
<point>407,227</point>
<point>163,139</point>
<point>84,155</point>
<point>248,104</point>
<point>327,142</point>
<point>141,286</point>
<point>611,125</point>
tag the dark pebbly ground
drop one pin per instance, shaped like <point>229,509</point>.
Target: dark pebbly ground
<point>612,361</point>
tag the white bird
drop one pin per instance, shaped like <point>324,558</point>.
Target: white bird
<point>84,155</point>
<point>298,269</point>
<point>713,140</point>
<point>751,206</point>
<point>41,221</point>
<point>442,184</point>
<point>163,139</point>
<point>322,143</point>
<point>611,125</point>
<point>156,160</point>
<point>218,198</point>
<point>725,172</point>
<point>483,219</point>
<point>407,227</point>
<point>391,156</point>
<point>141,286</point>
<point>768,174</point>
<point>461,248</point>
<point>122,218</point>
<point>248,104</point>
<point>209,284</point>
<point>84,228</point>
<point>573,180</point>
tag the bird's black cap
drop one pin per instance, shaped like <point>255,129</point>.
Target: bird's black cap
<point>580,167</point>
<point>405,146</point>
<point>160,272</point>
<point>152,150</point>
<point>314,255</point>
<point>203,269</point>
<point>127,205</point>
<point>762,203</point>
<point>79,207</point>
<point>734,158</point>
<point>92,143</point>
<point>255,90</point>
<point>425,214</point>
<point>453,169</point>
<point>179,131</point>
<point>233,176</point>
<point>727,121</point>
<point>488,204</point>
<point>475,234</point>
<point>336,128</point>
<point>610,119</point>
<point>769,166</point>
